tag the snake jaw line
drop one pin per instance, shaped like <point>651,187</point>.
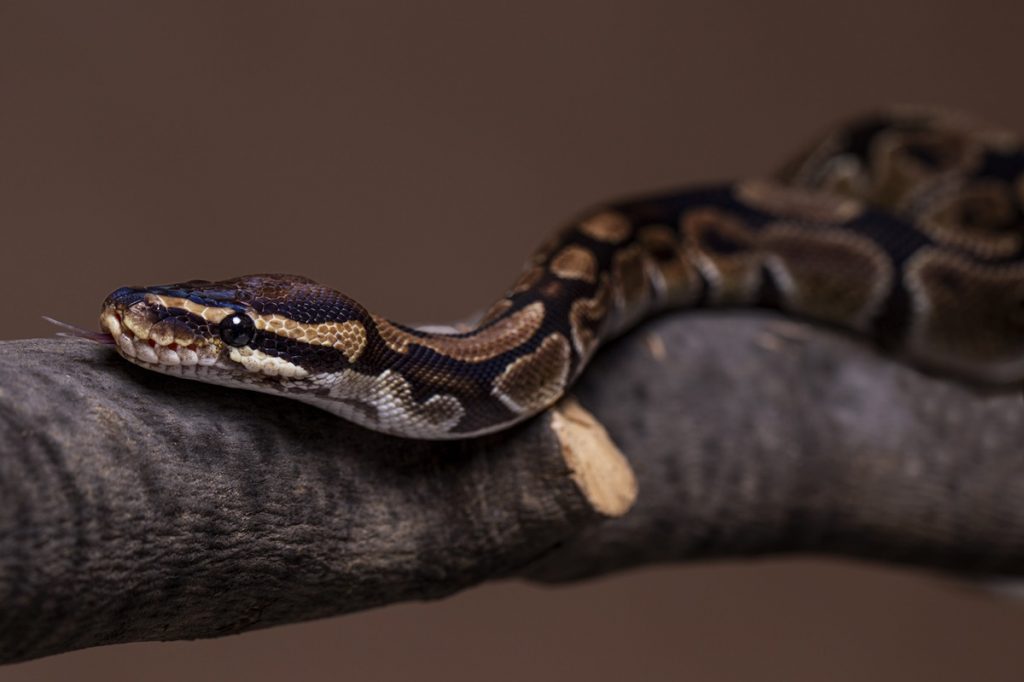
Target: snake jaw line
<point>140,341</point>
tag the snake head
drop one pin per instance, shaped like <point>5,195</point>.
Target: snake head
<point>252,330</point>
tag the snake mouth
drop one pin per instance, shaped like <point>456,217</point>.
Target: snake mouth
<point>156,345</point>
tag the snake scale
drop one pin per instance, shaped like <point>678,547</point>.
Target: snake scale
<point>905,226</point>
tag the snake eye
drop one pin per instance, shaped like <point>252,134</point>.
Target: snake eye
<point>237,330</point>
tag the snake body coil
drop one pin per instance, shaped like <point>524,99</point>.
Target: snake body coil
<point>907,227</point>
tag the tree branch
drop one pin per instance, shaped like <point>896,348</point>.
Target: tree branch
<point>134,506</point>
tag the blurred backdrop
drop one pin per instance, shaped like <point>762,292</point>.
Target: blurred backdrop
<point>412,154</point>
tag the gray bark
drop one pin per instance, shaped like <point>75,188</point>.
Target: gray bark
<point>135,506</point>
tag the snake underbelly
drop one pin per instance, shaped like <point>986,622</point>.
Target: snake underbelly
<point>906,227</point>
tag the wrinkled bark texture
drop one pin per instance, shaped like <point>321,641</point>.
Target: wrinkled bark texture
<point>135,506</point>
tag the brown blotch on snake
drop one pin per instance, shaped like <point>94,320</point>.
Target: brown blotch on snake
<point>575,262</point>
<point>607,226</point>
<point>796,203</point>
<point>968,315</point>
<point>826,273</point>
<point>979,218</point>
<point>499,337</point>
<point>536,379</point>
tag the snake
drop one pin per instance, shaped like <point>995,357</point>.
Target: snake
<point>903,225</point>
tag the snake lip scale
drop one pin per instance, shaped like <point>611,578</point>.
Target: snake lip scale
<point>905,226</point>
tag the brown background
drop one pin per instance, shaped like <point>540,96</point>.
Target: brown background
<point>411,154</point>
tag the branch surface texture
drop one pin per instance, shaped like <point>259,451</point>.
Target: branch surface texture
<point>135,506</point>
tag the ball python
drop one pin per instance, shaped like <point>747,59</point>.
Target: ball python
<point>904,226</point>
